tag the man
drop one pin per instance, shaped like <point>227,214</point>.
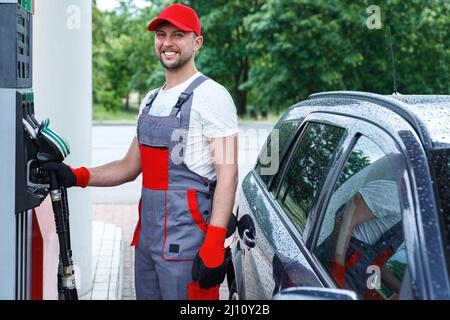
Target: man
<point>186,149</point>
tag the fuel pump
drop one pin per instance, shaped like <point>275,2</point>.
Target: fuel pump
<point>25,144</point>
<point>51,147</point>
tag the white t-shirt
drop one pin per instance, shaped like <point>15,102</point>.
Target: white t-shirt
<point>213,115</point>
<point>381,196</point>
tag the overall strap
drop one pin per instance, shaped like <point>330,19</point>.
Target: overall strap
<point>150,101</point>
<point>187,94</point>
<point>381,250</point>
<point>185,100</point>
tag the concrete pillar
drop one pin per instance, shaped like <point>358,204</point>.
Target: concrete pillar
<point>7,189</point>
<point>62,81</point>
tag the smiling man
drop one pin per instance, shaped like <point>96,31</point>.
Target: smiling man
<point>184,130</point>
<point>173,56</point>
<point>187,137</point>
<point>186,149</point>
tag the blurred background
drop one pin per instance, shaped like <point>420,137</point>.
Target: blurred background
<point>271,54</point>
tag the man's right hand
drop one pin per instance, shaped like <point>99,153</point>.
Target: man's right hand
<point>67,176</point>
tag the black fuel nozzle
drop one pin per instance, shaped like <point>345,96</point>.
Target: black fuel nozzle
<point>49,147</point>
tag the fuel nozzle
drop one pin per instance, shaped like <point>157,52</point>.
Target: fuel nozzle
<point>49,146</point>
<point>52,147</point>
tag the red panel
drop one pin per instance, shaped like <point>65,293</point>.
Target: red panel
<point>195,293</point>
<point>384,257</point>
<point>155,168</point>
<point>356,256</point>
<point>372,295</point>
<point>37,261</point>
<point>338,274</point>
<point>193,209</point>
<point>135,241</point>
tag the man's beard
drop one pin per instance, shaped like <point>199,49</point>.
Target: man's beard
<point>177,65</point>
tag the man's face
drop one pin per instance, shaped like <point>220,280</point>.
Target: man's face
<point>174,47</point>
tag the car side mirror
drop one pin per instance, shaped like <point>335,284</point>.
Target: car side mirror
<point>312,293</point>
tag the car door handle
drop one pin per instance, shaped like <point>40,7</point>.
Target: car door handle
<point>249,238</point>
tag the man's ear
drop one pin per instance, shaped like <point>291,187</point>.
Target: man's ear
<point>198,42</point>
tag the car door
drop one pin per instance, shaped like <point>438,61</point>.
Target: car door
<point>276,214</point>
<point>254,212</point>
<point>358,238</point>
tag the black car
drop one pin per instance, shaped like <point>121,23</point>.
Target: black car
<point>349,199</point>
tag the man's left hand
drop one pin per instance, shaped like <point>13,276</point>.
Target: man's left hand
<point>210,265</point>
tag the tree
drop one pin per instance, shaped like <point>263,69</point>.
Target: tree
<point>103,93</point>
<point>302,47</point>
<point>271,54</point>
<point>225,55</point>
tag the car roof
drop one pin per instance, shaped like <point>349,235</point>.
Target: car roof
<point>429,115</point>
<point>434,113</point>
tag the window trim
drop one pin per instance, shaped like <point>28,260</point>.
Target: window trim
<point>297,132</point>
<point>326,195</point>
<point>294,149</point>
<point>289,163</point>
<point>338,120</point>
<point>288,157</point>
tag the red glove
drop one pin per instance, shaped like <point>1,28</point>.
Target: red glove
<point>82,175</point>
<point>210,266</point>
<point>338,274</point>
<point>212,251</point>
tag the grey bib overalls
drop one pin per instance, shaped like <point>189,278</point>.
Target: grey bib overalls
<point>175,206</point>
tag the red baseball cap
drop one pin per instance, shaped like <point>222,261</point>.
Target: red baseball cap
<point>181,16</point>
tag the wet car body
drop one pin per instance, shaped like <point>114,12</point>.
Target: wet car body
<point>272,253</point>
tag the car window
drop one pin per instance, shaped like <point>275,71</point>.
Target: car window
<point>361,240</point>
<point>277,142</point>
<point>307,170</point>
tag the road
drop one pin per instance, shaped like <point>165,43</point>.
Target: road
<point>111,142</point>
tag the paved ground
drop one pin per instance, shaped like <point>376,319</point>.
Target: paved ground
<point>118,206</point>
<point>124,217</point>
<point>107,260</point>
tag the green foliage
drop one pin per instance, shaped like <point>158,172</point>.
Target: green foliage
<point>304,47</point>
<point>357,161</point>
<point>270,54</point>
<point>123,55</point>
